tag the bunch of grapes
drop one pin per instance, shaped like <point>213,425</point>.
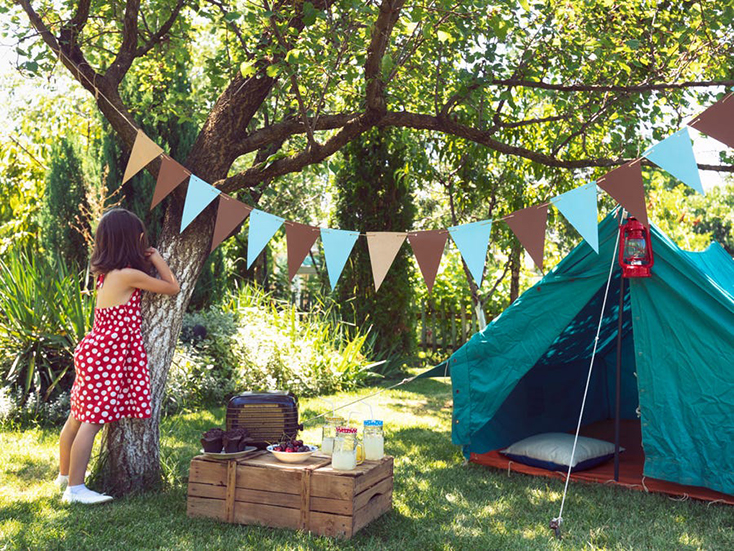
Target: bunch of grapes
<point>289,444</point>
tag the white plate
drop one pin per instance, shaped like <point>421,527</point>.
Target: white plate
<point>222,455</point>
<point>292,457</point>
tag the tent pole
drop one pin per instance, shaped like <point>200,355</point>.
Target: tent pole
<point>619,378</point>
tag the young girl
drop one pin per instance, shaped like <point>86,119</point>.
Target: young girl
<point>111,366</point>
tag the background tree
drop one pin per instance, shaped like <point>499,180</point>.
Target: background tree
<point>64,216</point>
<point>374,194</point>
<point>288,84</point>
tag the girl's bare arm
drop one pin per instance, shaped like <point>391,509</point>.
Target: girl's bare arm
<point>166,285</point>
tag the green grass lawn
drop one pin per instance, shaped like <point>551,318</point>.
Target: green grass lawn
<point>438,501</point>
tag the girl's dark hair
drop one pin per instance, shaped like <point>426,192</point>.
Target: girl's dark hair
<point>120,242</point>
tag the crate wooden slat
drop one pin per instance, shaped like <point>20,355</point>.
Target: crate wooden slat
<point>258,489</point>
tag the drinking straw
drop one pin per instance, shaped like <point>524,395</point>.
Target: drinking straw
<point>333,410</point>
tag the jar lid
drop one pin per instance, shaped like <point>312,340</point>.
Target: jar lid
<point>372,423</point>
<point>334,419</point>
<point>346,430</point>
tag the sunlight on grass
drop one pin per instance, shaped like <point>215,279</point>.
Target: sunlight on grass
<point>690,541</point>
<point>438,502</point>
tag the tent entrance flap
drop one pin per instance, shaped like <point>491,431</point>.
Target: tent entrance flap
<point>548,397</point>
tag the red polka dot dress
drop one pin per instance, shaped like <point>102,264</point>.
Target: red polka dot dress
<point>111,366</point>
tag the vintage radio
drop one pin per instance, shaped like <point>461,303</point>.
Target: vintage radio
<point>267,416</point>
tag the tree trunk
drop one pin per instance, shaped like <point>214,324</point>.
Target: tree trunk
<point>130,460</point>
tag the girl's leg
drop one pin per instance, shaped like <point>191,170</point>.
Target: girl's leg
<point>81,450</point>
<point>68,433</point>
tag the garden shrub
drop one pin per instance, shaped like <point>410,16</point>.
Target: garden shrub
<point>253,343</point>
<point>44,312</point>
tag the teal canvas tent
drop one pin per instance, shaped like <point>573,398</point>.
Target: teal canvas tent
<point>525,373</point>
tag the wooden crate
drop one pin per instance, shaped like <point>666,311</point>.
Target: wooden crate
<point>311,496</point>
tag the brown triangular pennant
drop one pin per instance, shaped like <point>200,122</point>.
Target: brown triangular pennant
<point>718,121</point>
<point>383,247</point>
<point>625,185</point>
<point>170,175</point>
<point>529,227</point>
<point>299,239</point>
<point>144,151</point>
<point>230,214</point>
<point>428,249</point>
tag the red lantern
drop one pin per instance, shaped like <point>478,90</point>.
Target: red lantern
<point>635,249</point>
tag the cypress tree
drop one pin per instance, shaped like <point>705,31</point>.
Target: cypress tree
<point>374,195</point>
<point>64,212</point>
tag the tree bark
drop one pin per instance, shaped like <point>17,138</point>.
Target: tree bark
<point>131,447</point>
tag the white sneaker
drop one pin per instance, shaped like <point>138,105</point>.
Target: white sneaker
<point>62,481</point>
<point>85,495</point>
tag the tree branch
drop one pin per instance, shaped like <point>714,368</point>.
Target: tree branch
<point>296,162</point>
<point>216,146</point>
<point>381,32</point>
<point>163,31</point>
<point>109,102</point>
<point>232,25</point>
<point>279,132</point>
<point>126,55</point>
<point>294,81</point>
<point>76,24</point>
<point>608,88</point>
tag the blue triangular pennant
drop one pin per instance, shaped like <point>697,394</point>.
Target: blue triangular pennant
<point>198,196</point>
<point>262,228</point>
<point>580,209</point>
<point>338,244</point>
<point>675,155</point>
<point>473,240</point>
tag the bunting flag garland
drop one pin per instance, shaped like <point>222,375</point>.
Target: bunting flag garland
<point>580,208</point>
<point>625,185</point>
<point>262,228</point>
<point>383,248</point>
<point>428,249</point>
<point>170,175</point>
<point>230,214</point>
<point>473,242</point>
<point>338,245</point>
<point>198,197</point>
<point>675,155</point>
<point>299,240</point>
<point>144,151</point>
<point>529,227</point>
<point>718,121</point>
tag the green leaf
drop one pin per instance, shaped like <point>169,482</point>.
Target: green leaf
<point>386,66</point>
<point>633,44</point>
<point>233,15</point>
<point>294,56</point>
<point>273,70</point>
<point>443,36</point>
<point>247,69</point>
<point>309,14</point>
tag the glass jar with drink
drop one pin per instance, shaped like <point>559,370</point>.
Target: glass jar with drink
<point>328,433</point>
<point>346,447</point>
<point>374,440</point>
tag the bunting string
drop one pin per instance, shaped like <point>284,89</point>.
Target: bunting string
<point>624,183</point>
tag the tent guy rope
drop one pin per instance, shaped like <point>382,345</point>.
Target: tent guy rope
<point>555,523</point>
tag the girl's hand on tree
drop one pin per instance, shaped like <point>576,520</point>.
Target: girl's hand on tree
<point>151,252</point>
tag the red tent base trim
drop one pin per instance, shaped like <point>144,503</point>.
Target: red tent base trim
<point>631,463</point>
